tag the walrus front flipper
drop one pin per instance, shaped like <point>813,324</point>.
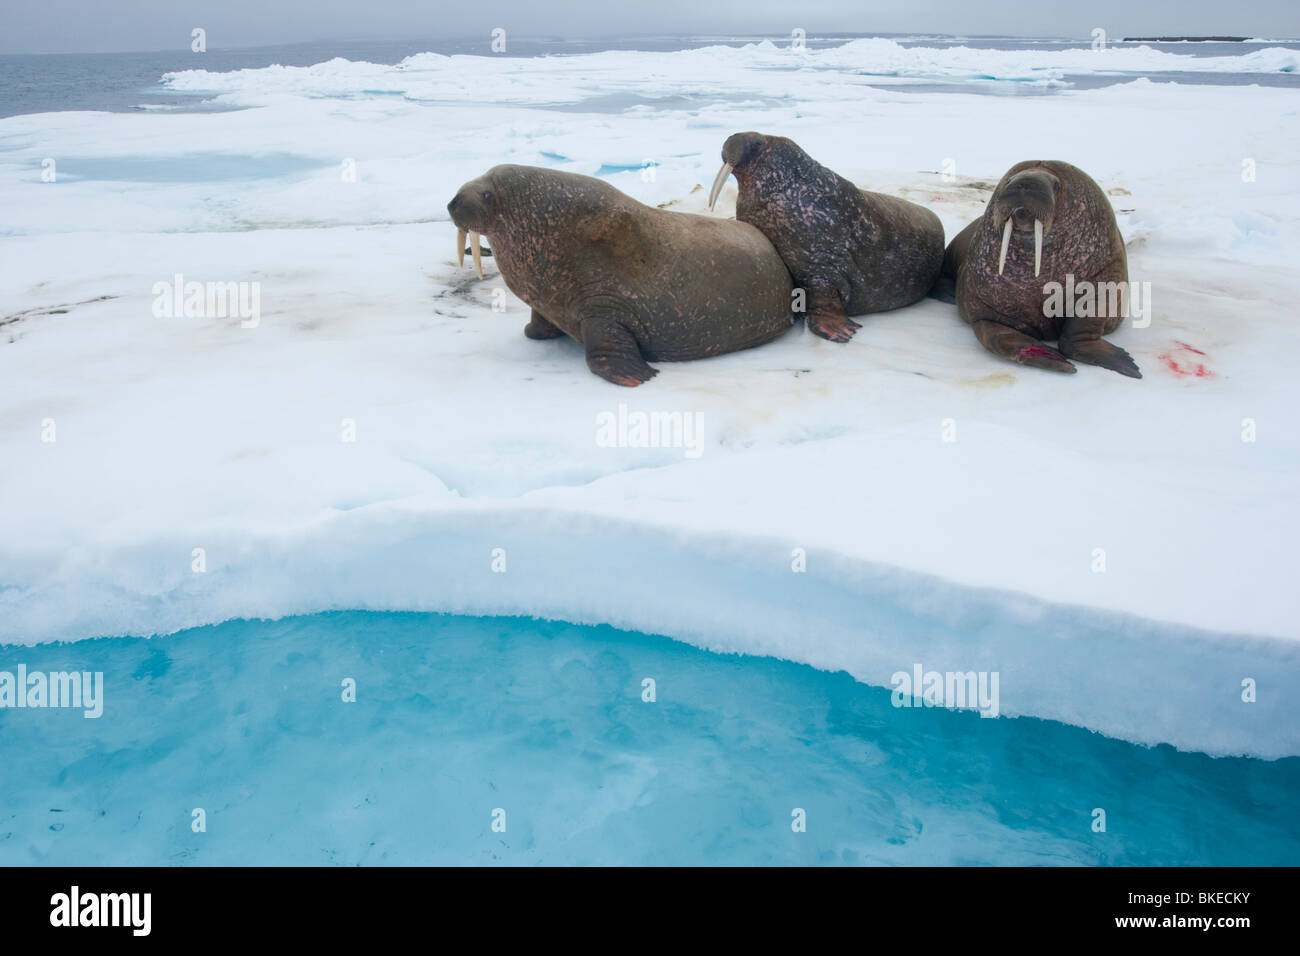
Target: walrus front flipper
<point>1007,342</point>
<point>1087,346</point>
<point>539,327</point>
<point>836,328</point>
<point>826,318</point>
<point>612,352</point>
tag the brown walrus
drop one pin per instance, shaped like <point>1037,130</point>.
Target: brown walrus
<point>852,251</point>
<point>1047,225</point>
<point>631,283</point>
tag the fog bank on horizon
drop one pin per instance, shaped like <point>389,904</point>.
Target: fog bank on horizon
<point>62,26</point>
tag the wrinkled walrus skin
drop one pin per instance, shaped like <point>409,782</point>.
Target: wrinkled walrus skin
<point>853,252</point>
<point>632,283</point>
<point>1000,295</point>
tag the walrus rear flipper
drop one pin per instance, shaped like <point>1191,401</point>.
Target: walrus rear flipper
<point>944,289</point>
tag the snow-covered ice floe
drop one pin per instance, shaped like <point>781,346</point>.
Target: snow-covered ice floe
<point>1121,552</point>
<point>755,68</point>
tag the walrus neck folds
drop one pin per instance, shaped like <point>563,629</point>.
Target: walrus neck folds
<point>780,168</point>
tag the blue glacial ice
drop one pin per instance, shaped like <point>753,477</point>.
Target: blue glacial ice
<point>456,718</point>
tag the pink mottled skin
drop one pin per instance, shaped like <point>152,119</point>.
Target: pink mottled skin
<point>1080,239</point>
<point>632,283</point>
<point>853,252</point>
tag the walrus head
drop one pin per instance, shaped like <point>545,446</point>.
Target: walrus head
<point>738,152</point>
<point>473,209</point>
<point>1026,207</point>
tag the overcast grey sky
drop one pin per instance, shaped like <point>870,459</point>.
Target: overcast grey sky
<point>36,26</point>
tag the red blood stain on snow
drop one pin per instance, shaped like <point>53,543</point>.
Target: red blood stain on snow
<point>1180,361</point>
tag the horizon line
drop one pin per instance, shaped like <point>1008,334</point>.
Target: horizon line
<point>812,35</point>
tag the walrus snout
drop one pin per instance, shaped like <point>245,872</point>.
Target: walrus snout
<point>1025,220</point>
<point>737,151</point>
<point>469,210</point>
<point>740,148</point>
<point>1026,206</point>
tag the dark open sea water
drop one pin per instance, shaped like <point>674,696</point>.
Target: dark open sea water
<point>122,82</point>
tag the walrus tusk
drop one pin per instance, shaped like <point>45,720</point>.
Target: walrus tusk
<point>723,173</point>
<point>460,248</point>
<point>1006,241</point>
<point>478,253</point>
<point>1038,245</point>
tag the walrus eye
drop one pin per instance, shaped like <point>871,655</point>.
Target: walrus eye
<point>487,195</point>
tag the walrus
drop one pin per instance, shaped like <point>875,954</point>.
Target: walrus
<point>852,252</point>
<point>633,284</point>
<point>1046,221</point>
